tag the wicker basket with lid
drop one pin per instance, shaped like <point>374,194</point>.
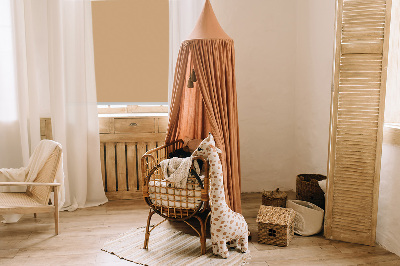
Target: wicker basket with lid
<point>274,198</point>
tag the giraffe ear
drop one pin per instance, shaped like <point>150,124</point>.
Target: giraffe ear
<point>216,149</point>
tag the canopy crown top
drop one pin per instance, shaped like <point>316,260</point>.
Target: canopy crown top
<point>207,26</point>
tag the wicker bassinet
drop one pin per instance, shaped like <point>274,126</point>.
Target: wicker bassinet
<point>175,203</point>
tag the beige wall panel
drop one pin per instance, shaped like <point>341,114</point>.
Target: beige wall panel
<point>131,50</point>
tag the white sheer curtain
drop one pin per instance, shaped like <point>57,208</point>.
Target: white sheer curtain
<point>10,144</point>
<point>183,15</point>
<point>54,72</point>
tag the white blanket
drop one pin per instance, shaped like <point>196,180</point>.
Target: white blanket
<point>176,170</point>
<point>29,173</point>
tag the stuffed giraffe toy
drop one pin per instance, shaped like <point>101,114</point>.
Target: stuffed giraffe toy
<point>226,225</point>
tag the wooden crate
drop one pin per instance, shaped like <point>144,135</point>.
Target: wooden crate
<point>123,141</point>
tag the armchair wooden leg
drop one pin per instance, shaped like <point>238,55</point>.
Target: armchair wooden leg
<point>147,235</point>
<point>56,212</point>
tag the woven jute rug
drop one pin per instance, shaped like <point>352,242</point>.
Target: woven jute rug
<point>168,247</point>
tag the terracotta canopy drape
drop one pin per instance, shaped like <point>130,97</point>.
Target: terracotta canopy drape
<point>211,106</point>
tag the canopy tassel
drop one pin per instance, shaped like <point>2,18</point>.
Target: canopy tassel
<point>190,83</point>
<point>193,76</point>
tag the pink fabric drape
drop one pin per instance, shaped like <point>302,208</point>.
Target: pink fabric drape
<point>211,106</point>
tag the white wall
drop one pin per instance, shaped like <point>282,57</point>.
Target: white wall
<point>264,35</point>
<point>284,52</point>
<point>388,227</point>
<point>314,60</point>
<point>284,56</point>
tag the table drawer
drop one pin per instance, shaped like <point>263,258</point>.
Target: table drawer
<point>162,124</point>
<point>106,125</point>
<point>134,125</point>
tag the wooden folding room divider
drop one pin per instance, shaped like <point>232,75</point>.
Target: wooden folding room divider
<point>358,97</point>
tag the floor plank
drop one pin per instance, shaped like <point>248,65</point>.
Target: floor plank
<point>82,233</point>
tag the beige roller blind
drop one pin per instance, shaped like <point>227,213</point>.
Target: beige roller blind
<point>131,50</point>
<point>358,96</point>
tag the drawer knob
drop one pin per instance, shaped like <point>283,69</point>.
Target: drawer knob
<point>133,124</point>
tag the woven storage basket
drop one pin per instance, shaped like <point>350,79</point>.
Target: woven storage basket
<point>308,189</point>
<point>275,225</point>
<point>274,198</point>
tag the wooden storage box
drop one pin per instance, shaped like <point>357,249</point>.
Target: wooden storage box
<point>308,189</point>
<point>274,198</point>
<point>123,141</point>
<point>275,225</point>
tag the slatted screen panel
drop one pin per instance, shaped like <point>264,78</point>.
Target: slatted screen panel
<point>358,96</point>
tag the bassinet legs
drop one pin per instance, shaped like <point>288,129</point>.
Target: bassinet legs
<point>147,235</point>
<point>202,233</point>
<point>148,230</point>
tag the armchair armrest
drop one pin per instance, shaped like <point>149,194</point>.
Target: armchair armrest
<point>29,184</point>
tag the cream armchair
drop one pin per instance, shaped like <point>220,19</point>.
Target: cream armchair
<point>36,197</point>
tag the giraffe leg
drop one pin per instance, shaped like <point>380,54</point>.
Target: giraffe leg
<point>215,248</point>
<point>232,244</point>
<point>243,243</point>
<point>222,249</point>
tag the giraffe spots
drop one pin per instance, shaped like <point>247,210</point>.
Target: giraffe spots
<point>225,224</point>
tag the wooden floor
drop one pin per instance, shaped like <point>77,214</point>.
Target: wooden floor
<point>82,233</point>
